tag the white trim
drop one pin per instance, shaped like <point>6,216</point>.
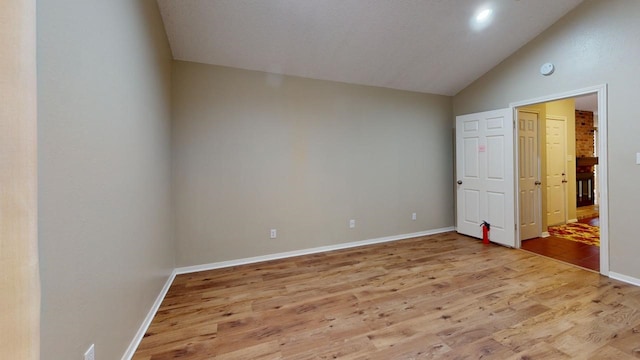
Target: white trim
<point>133,346</point>
<point>545,234</point>
<point>625,278</point>
<point>563,95</point>
<point>288,254</point>
<point>601,91</point>
<point>603,179</point>
<point>571,221</point>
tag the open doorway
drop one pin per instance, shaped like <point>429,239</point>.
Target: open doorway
<point>587,159</point>
<point>560,144</point>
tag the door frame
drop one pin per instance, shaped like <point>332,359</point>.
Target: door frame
<point>601,93</point>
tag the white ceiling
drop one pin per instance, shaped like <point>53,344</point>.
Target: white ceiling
<point>419,45</point>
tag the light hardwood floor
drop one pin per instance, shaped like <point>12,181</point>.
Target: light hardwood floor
<point>589,211</point>
<point>444,296</point>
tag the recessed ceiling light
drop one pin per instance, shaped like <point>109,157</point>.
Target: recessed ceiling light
<point>481,19</point>
<point>484,15</point>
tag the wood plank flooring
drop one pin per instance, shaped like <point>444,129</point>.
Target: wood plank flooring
<point>589,211</point>
<point>572,252</point>
<point>439,297</point>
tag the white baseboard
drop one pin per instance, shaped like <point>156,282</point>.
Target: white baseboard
<point>572,221</point>
<point>283,255</point>
<point>128,355</point>
<point>545,234</point>
<point>625,278</point>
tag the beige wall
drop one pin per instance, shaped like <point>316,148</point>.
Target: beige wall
<point>105,235</point>
<point>254,151</point>
<point>594,44</point>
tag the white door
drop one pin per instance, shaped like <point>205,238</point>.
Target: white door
<point>556,170</point>
<point>485,176</point>
<point>528,175</point>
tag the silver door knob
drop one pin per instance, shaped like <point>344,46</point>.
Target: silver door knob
<point>459,182</point>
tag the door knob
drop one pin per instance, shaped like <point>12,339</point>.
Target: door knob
<point>538,183</point>
<point>459,182</point>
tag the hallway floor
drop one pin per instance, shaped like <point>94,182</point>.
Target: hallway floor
<point>586,212</point>
<point>572,252</point>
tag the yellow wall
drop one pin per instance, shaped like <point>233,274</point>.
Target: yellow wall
<point>564,108</point>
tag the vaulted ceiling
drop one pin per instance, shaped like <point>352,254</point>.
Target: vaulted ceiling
<point>432,46</point>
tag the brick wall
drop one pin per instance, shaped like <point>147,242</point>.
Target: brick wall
<point>584,133</point>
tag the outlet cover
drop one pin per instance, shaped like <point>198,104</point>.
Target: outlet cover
<point>90,354</point>
<point>273,233</point>
<point>414,216</point>
<point>352,224</point>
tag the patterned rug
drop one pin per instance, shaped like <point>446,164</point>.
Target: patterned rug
<point>583,233</point>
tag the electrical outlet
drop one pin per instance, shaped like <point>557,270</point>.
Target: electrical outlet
<point>274,233</point>
<point>352,224</point>
<point>414,216</point>
<point>90,353</point>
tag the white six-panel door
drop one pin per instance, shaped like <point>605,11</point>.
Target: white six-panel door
<point>485,175</point>
<point>528,176</point>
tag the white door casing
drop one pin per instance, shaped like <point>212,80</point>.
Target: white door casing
<point>529,175</point>
<point>603,184</point>
<point>556,135</point>
<point>485,175</point>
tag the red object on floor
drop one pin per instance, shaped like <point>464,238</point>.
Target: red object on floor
<point>485,232</point>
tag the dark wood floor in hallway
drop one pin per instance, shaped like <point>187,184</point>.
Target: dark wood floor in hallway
<point>445,296</point>
<point>583,255</point>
